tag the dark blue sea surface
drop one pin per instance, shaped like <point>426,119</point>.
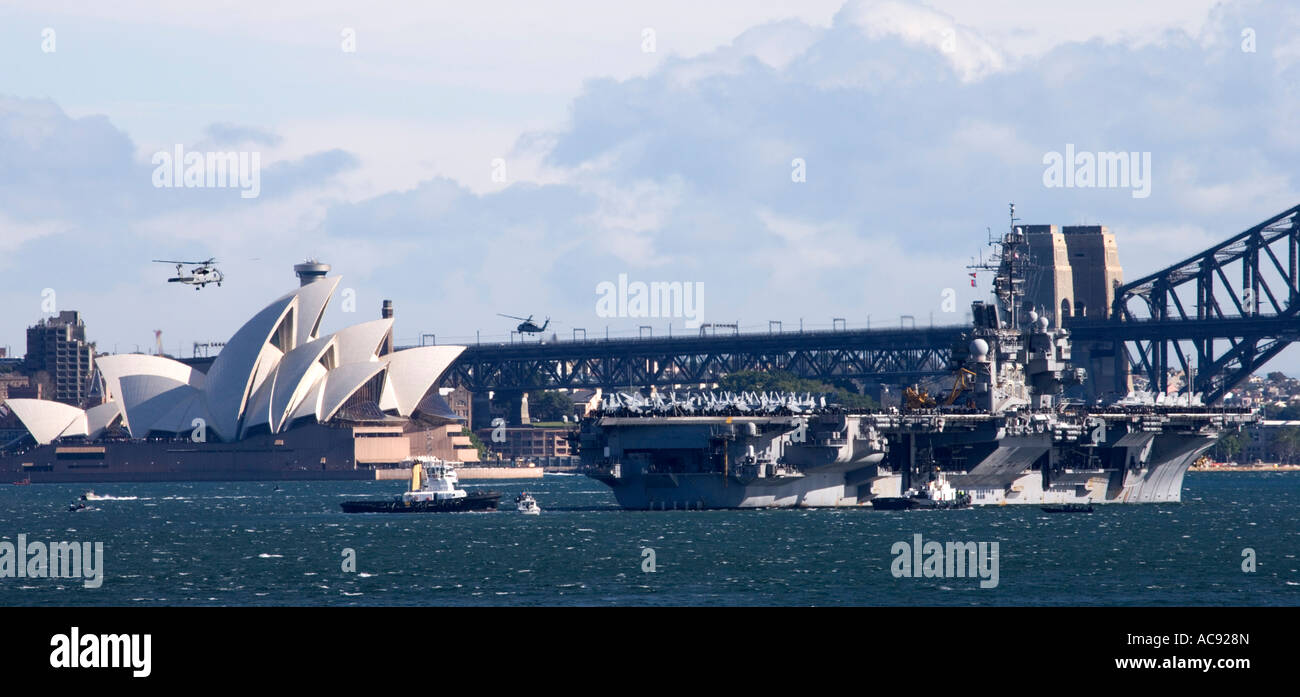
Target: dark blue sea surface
<point>242,543</point>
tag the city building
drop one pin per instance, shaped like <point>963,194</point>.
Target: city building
<point>585,401</point>
<point>449,442</point>
<point>527,443</point>
<point>460,401</point>
<point>18,386</point>
<point>59,356</point>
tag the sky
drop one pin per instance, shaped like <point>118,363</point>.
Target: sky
<point>795,162</point>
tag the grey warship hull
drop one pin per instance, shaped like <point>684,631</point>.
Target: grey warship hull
<point>709,462</point>
<point>848,460</point>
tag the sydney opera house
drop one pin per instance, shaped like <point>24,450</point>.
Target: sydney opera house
<point>280,401</point>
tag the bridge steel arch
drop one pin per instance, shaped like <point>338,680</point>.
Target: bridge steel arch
<point>1231,307</point>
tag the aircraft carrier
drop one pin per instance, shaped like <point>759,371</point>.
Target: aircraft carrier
<point>1005,432</point>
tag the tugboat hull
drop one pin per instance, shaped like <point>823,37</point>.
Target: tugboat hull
<point>899,503</point>
<point>1069,508</point>
<point>472,502</point>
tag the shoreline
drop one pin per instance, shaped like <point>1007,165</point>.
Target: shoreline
<point>1245,468</point>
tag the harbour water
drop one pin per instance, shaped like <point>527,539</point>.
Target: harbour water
<point>246,544</point>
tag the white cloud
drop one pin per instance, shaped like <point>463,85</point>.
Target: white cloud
<point>970,54</point>
<point>14,234</point>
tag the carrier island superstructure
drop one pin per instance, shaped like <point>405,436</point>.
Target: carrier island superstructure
<point>1004,433</point>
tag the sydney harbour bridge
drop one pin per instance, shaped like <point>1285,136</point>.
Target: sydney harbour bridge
<point>1217,316</point>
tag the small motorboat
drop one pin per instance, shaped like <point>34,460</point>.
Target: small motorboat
<point>92,496</point>
<point>23,482</point>
<point>1068,508</point>
<point>527,504</point>
<point>77,506</point>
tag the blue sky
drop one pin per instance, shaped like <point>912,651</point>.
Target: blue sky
<point>917,123</point>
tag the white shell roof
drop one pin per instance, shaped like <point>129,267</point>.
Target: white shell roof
<point>47,420</point>
<point>182,416</point>
<point>312,300</point>
<point>230,379</point>
<point>267,361</point>
<point>294,377</point>
<point>258,411</point>
<point>411,372</point>
<point>112,368</point>
<point>98,418</point>
<point>283,389</point>
<point>342,382</point>
<point>387,397</point>
<point>309,392</point>
<point>249,357</point>
<point>360,343</point>
<point>150,403</point>
<point>310,405</point>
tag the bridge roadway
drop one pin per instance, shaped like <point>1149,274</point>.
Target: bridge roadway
<point>887,355</point>
<point>882,354</point>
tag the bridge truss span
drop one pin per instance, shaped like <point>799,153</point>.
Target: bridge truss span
<point>890,355</point>
<point>1218,315</point>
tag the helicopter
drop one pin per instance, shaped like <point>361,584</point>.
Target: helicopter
<point>203,273</point>
<point>528,326</point>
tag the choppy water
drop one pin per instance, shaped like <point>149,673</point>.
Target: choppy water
<point>244,544</point>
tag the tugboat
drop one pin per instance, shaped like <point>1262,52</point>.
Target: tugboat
<point>433,490</point>
<point>1068,508</point>
<point>938,494</point>
<point>527,504</point>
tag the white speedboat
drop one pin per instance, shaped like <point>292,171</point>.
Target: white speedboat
<point>527,504</point>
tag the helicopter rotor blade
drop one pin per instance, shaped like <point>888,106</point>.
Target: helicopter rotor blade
<point>175,261</point>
